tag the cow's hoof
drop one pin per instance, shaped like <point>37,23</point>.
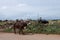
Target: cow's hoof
<point>14,32</point>
<point>23,34</point>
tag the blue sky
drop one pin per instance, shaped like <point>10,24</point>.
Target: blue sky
<point>23,9</point>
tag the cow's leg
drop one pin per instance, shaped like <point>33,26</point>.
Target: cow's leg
<point>15,30</point>
<point>22,31</point>
<point>19,31</point>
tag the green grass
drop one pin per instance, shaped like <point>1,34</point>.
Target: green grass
<point>40,28</point>
<point>2,23</point>
<point>8,30</point>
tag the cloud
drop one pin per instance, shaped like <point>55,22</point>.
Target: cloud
<point>21,5</point>
<point>3,7</point>
<point>12,9</point>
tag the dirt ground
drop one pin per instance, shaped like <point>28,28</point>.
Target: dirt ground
<point>12,36</point>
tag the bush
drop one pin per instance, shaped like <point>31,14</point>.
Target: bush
<point>41,28</point>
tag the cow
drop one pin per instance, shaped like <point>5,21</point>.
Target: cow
<point>43,21</point>
<point>20,24</point>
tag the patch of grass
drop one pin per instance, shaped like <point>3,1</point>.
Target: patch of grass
<point>8,30</point>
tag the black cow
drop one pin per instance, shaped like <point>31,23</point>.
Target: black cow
<point>43,21</point>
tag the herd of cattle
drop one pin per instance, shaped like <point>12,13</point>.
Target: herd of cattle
<point>20,24</point>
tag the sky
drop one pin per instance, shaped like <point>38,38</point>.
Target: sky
<point>32,9</point>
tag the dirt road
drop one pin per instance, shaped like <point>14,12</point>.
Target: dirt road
<point>12,36</point>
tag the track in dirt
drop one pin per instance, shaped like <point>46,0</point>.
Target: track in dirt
<point>12,36</point>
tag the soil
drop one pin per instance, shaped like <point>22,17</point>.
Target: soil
<point>12,36</point>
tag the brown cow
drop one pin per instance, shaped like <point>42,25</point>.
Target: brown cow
<point>20,25</point>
